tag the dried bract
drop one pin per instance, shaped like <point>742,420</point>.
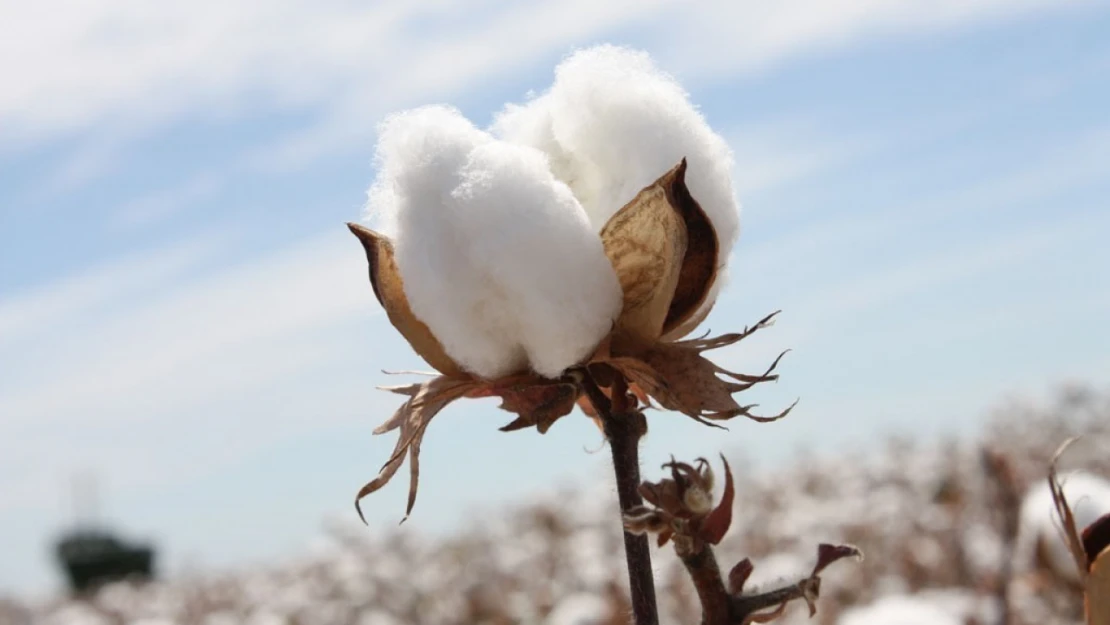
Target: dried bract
<point>1090,548</point>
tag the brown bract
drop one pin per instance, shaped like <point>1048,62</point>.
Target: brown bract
<point>1090,548</point>
<point>666,256</point>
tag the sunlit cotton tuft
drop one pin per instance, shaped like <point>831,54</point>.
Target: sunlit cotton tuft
<point>498,257</point>
<point>612,123</point>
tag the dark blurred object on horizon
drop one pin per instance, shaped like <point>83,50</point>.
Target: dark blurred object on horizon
<point>92,557</point>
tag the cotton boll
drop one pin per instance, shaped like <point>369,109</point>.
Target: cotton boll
<point>420,154</point>
<point>497,256</point>
<point>528,234</point>
<point>612,123</point>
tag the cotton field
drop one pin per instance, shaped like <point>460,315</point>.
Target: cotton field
<point>955,533</point>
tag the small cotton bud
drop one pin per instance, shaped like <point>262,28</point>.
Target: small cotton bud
<point>697,500</point>
<point>705,472</point>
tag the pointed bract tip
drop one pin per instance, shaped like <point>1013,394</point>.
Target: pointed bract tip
<point>364,234</point>
<point>358,509</point>
<point>680,174</point>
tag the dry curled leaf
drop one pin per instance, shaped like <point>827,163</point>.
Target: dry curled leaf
<point>680,378</point>
<point>739,575</point>
<point>827,554</point>
<point>426,399</point>
<point>537,402</point>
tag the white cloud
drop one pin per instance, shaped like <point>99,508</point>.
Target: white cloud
<point>838,266</point>
<point>28,314</point>
<point>123,369</point>
<point>772,154</point>
<point>67,65</point>
<point>169,347</point>
<point>748,36</point>
<point>1072,163</point>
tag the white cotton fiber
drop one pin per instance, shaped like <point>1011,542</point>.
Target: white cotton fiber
<point>902,610</point>
<point>612,123</point>
<point>498,258</point>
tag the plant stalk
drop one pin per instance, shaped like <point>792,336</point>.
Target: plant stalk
<point>623,429</point>
<point>706,574</point>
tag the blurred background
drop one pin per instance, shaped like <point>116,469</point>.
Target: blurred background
<point>189,345</point>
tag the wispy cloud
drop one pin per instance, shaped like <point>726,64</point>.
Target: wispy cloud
<point>129,64</point>
<point>770,155</point>
<point>750,36</point>
<point>173,347</point>
<point>29,314</point>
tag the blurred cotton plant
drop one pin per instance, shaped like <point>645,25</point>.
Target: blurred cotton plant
<point>559,258</point>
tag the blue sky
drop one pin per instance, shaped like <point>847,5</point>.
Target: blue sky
<point>184,316</point>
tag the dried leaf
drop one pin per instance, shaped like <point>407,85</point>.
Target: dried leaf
<point>663,494</point>
<point>664,536</point>
<point>536,401</point>
<point>716,524</point>
<point>680,378</point>
<point>646,242</point>
<point>827,554</point>
<point>388,287</point>
<point>644,520</point>
<point>699,264</point>
<point>739,575</point>
<point>425,401</point>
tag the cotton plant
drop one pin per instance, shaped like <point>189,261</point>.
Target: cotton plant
<point>560,258</point>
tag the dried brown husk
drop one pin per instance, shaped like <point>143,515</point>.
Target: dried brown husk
<point>389,288</point>
<point>1090,548</point>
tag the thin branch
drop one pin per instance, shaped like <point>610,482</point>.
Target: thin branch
<point>706,574</point>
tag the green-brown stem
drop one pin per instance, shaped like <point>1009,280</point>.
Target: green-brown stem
<point>719,607</point>
<point>714,599</point>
